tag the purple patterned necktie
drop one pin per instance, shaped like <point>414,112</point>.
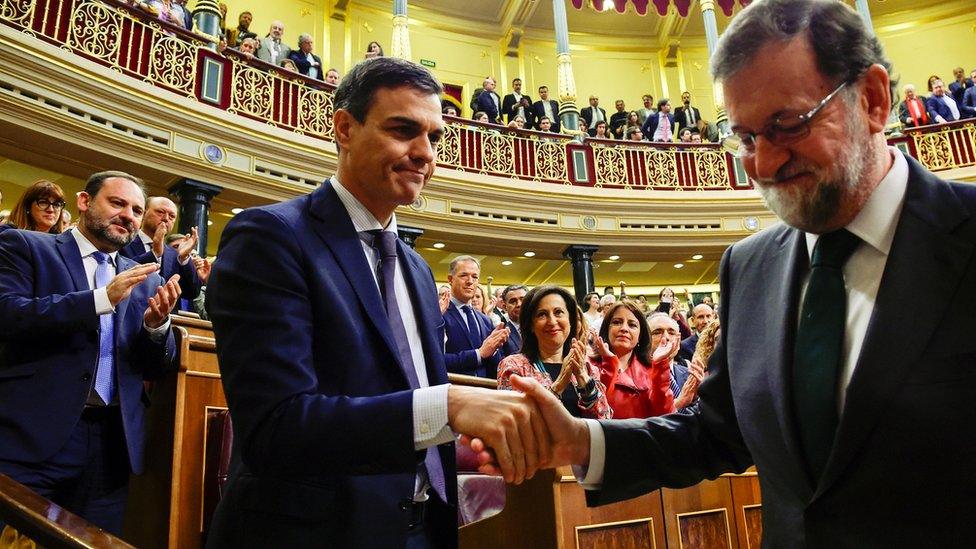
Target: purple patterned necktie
<point>104,375</point>
<point>385,243</point>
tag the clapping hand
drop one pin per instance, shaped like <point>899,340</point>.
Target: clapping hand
<point>203,268</point>
<point>696,373</point>
<point>188,245</point>
<point>667,346</point>
<point>160,305</point>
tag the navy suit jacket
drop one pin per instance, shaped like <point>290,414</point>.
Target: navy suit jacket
<point>301,62</point>
<point>485,103</point>
<point>937,107</point>
<point>688,345</point>
<point>968,107</point>
<point>321,405</point>
<point>49,347</point>
<point>170,265</point>
<point>514,342</point>
<point>539,110</point>
<point>894,448</point>
<point>650,125</point>
<point>461,351</point>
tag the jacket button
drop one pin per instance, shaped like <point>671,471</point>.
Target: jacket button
<point>404,504</point>
<point>86,377</point>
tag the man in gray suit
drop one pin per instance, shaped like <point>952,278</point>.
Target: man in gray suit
<point>272,49</point>
<point>846,370</point>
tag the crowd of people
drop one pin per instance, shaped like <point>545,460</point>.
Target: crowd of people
<point>957,101</point>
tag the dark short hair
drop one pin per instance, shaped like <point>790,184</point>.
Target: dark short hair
<point>545,118</point>
<point>530,344</point>
<point>355,92</point>
<point>642,349</point>
<point>843,45</point>
<point>543,88</point>
<point>662,103</point>
<point>512,288</point>
<point>516,79</point>
<point>97,180</point>
<point>632,130</point>
<point>598,124</point>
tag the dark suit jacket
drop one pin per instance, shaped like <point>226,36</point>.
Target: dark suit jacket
<point>169,266</point>
<point>513,345</point>
<point>509,105</point>
<point>301,62</point>
<point>49,347</point>
<point>957,90</point>
<point>461,351</point>
<point>688,345</point>
<point>901,470</point>
<point>968,107</point>
<point>681,117</point>
<point>539,110</point>
<point>650,125</point>
<point>322,406</point>
<point>587,114</point>
<point>937,107</point>
<point>484,102</point>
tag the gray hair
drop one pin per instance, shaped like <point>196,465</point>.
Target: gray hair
<point>304,37</point>
<point>461,259</point>
<point>607,300</point>
<point>844,47</point>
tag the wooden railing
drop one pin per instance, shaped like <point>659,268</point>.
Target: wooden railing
<point>134,44</point>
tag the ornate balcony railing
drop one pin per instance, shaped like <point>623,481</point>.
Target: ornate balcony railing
<point>137,45</point>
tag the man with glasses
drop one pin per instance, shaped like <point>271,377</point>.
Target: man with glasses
<point>846,368</point>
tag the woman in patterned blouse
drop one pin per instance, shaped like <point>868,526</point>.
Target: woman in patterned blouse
<point>548,321</point>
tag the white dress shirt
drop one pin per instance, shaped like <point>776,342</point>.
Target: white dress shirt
<point>875,225</point>
<point>457,305</point>
<point>429,403</point>
<point>313,66</point>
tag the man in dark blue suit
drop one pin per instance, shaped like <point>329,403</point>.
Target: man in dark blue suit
<point>472,346</point>
<point>857,413</point>
<point>941,104</point>
<point>149,246</point>
<point>512,297</point>
<point>81,328</point>
<point>488,101</point>
<point>330,342</point>
<point>653,129</point>
<point>701,315</point>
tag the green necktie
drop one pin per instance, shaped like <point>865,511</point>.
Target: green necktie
<point>819,347</point>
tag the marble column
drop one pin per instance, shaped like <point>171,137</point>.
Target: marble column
<point>194,198</point>
<point>582,258</point>
<point>565,82</point>
<point>400,46</point>
<point>409,235</point>
<point>711,39</point>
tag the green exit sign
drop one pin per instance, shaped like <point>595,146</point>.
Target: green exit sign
<point>428,63</point>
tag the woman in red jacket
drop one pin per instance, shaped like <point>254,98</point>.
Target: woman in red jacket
<point>638,384</point>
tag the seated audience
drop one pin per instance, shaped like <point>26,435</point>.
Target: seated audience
<point>305,61</point>
<point>585,131</point>
<point>656,131</point>
<point>696,137</point>
<point>638,384</point>
<point>634,134</point>
<point>449,110</point>
<point>600,131</point>
<point>941,105</point>
<point>684,136</point>
<point>481,116</point>
<point>39,209</point>
<point>633,119</point>
<point>248,47</point>
<point>332,77</point>
<point>288,65</point>
<point>517,123</point>
<point>912,112</point>
<point>374,49</point>
<point>545,125</point>
<point>553,355</point>
<point>272,49</point>
<point>243,31</point>
<point>932,80</point>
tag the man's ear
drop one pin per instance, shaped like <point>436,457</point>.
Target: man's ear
<point>877,92</point>
<point>84,199</point>
<point>344,124</point>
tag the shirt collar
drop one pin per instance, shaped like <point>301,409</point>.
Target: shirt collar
<point>361,217</point>
<point>877,221</point>
<point>458,303</point>
<point>145,238</point>
<point>85,247</point>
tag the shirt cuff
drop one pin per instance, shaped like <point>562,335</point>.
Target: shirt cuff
<point>157,335</point>
<point>591,477</point>
<point>102,305</point>
<point>430,426</point>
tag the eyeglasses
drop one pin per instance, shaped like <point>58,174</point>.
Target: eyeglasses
<point>44,204</point>
<point>781,131</point>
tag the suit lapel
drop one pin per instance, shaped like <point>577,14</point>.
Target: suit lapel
<point>925,262</point>
<point>426,311</point>
<point>68,249</point>
<point>330,221</point>
<point>462,323</point>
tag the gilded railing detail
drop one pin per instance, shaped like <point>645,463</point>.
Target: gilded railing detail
<point>947,148</point>
<point>167,66</point>
<point>712,169</point>
<point>611,166</point>
<point>449,147</point>
<point>251,92</point>
<point>17,11</point>
<point>662,168</point>
<point>315,113</point>
<point>96,31</point>
<point>498,153</point>
<point>550,160</point>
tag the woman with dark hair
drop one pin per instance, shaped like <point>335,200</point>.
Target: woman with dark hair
<point>592,313</point>
<point>39,209</point>
<point>638,383</point>
<point>374,49</point>
<point>551,354</point>
<point>668,304</point>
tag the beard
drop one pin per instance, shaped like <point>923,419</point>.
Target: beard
<point>98,227</point>
<point>813,210</point>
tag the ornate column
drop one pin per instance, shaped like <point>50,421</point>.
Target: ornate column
<point>565,83</point>
<point>206,20</point>
<point>582,258</point>
<point>711,38</point>
<point>409,235</point>
<point>194,198</point>
<point>401,32</point>
<point>865,12</point>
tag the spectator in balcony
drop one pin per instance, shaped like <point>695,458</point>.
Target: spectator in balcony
<point>169,11</point>
<point>638,383</point>
<point>634,134</point>
<point>684,135</point>
<point>449,110</point>
<point>480,116</point>
<point>307,62</point>
<point>332,77</point>
<point>546,107</point>
<point>618,120</point>
<point>633,119</point>
<point>932,80</point>
<point>912,112</point>
<point>687,116</point>
<point>272,49</point>
<point>696,138</point>
<point>236,37</point>
<point>545,125</point>
<point>968,108</point>
<point>185,14</point>
<point>488,101</point>
<point>648,108</point>
<point>553,356</point>
<point>513,104</point>
<point>288,65</point>
<point>941,105</point>
<point>248,48</point>
<point>654,129</point>
<point>959,86</point>
<point>39,209</point>
<point>517,123</point>
<point>592,304</point>
<point>374,49</point>
<point>601,130</point>
<point>593,114</point>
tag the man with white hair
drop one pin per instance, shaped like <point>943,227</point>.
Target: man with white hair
<point>912,112</point>
<point>272,49</point>
<point>488,101</point>
<point>307,62</point>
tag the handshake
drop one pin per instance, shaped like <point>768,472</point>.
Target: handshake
<point>516,434</point>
